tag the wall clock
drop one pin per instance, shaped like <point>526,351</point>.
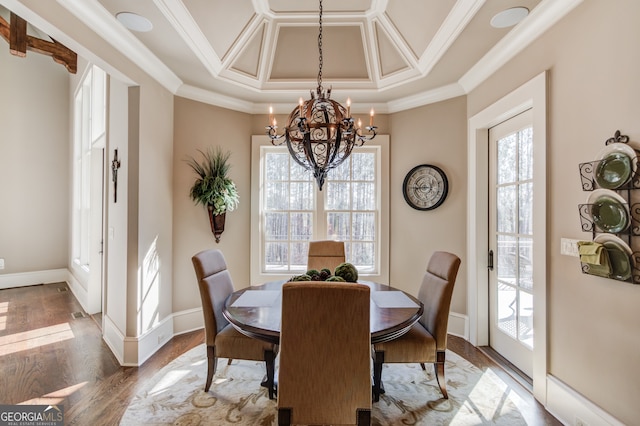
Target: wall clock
<point>425,187</point>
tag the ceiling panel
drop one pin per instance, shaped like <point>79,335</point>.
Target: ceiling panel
<point>297,6</point>
<point>221,21</point>
<point>296,54</point>
<point>417,21</point>
<point>389,59</point>
<point>248,61</point>
<point>473,43</point>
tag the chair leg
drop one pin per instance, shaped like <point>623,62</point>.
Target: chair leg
<point>229,361</point>
<point>378,360</point>
<point>438,367</point>
<point>423,367</point>
<point>211,366</point>
<point>270,363</point>
<point>363,417</point>
<point>284,416</point>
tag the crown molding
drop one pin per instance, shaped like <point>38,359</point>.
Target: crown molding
<point>176,13</point>
<point>456,21</point>
<point>105,25</point>
<point>213,98</point>
<point>424,98</point>
<point>543,17</point>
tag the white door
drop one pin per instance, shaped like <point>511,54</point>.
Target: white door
<point>511,240</point>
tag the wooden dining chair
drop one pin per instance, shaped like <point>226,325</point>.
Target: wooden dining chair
<point>325,254</point>
<point>222,339</point>
<point>426,341</point>
<point>325,354</point>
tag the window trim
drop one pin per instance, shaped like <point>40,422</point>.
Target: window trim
<point>256,275</point>
<point>89,132</point>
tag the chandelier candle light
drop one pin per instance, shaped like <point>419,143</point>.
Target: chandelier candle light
<point>320,133</point>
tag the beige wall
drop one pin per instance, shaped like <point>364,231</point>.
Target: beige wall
<point>34,162</point>
<point>155,207</point>
<point>593,61</point>
<point>198,126</point>
<point>434,134</point>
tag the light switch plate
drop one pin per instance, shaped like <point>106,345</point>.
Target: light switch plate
<point>569,247</point>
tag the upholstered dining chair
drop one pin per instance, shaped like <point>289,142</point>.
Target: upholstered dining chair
<point>426,341</point>
<point>222,340</point>
<point>325,254</point>
<point>325,354</point>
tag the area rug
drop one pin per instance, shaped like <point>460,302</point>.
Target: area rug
<point>175,396</point>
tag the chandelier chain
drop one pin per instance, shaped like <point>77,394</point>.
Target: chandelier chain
<point>320,133</point>
<point>320,51</point>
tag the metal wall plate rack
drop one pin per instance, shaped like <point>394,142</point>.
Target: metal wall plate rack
<point>632,203</point>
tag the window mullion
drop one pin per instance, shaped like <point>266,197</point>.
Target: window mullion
<point>320,216</point>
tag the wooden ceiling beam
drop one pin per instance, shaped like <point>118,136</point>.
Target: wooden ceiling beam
<point>19,42</point>
<point>18,36</point>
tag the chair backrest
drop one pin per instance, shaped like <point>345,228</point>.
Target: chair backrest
<point>435,293</point>
<point>215,285</point>
<point>325,254</point>
<point>325,352</point>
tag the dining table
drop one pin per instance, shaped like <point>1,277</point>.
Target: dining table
<point>256,311</point>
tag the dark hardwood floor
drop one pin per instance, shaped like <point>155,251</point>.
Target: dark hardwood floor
<point>48,355</point>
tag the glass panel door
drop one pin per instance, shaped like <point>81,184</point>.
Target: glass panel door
<point>511,240</point>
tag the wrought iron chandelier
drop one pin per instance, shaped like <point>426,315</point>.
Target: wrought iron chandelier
<point>320,133</point>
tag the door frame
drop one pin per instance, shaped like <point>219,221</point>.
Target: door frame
<point>95,283</point>
<point>532,94</point>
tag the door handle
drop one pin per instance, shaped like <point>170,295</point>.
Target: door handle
<point>490,265</point>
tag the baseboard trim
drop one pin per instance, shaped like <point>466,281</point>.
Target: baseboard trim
<point>24,279</point>
<point>78,290</point>
<point>458,325</point>
<point>187,320</point>
<point>114,339</point>
<point>571,408</point>
<point>134,351</point>
<point>149,342</point>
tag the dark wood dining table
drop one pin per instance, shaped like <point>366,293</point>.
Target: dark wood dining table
<point>257,315</point>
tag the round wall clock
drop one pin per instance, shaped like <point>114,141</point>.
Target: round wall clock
<point>425,187</point>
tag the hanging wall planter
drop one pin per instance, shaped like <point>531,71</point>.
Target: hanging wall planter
<point>217,223</point>
<point>213,188</point>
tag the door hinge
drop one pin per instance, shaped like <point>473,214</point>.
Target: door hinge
<point>490,265</point>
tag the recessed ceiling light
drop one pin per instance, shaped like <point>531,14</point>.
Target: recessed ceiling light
<point>134,22</point>
<point>509,17</point>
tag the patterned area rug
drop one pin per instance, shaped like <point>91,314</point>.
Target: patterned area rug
<point>175,396</point>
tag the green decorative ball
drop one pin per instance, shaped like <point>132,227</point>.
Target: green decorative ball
<point>335,278</point>
<point>303,277</point>
<point>347,271</point>
<point>312,272</point>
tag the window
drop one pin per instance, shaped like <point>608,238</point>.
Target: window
<point>89,131</point>
<point>289,210</point>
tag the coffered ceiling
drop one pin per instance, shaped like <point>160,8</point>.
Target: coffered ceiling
<point>246,54</point>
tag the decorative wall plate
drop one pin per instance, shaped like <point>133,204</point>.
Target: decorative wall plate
<point>609,210</point>
<point>616,166</point>
<point>620,256</point>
